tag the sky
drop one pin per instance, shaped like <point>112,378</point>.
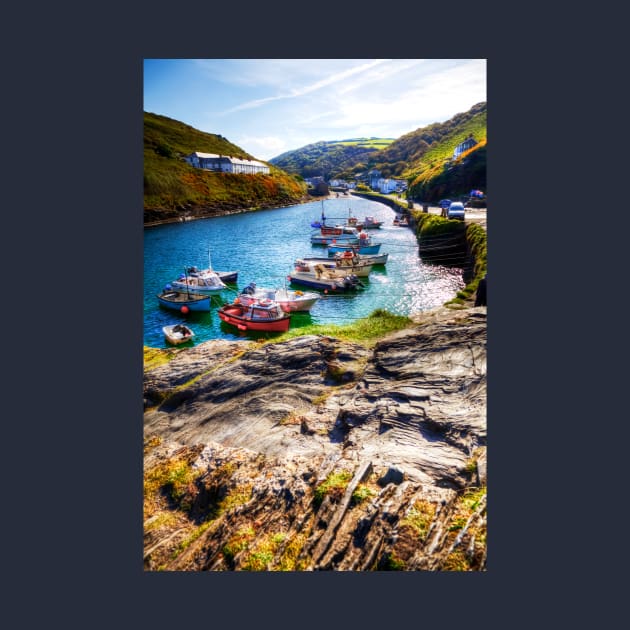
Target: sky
<point>270,106</point>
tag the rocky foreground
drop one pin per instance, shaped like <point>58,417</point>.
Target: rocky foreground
<point>318,454</point>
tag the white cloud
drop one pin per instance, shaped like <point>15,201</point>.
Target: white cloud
<point>308,88</point>
<point>262,147</point>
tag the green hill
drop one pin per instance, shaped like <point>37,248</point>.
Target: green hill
<point>326,159</point>
<point>173,189</point>
<point>422,157</point>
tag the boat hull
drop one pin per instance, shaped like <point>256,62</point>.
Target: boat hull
<point>361,249</point>
<point>331,240</point>
<point>197,288</point>
<point>289,301</point>
<point>362,269</point>
<point>379,259</point>
<point>336,285</point>
<point>176,300</point>
<point>228,276</point>
<point>232,314</point>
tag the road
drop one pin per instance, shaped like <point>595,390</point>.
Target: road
<point>473,215</point>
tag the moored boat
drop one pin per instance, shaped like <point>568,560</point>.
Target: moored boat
<point>342,234</point>
<point>263,315</point>
<point>317,276</point>
<point>375,259</point>
<point>346,261</point>
<point>359,248</point>
<point>200,281</point>
<point>178,333</point>
<point>229,277</point>
<point>184,301</point>
<point>288,299</point>
<point>370,223</point>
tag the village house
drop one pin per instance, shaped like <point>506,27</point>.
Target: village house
<point>225,163</point>
<point>464,146</point>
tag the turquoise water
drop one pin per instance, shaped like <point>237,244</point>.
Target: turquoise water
<point>262,247</point>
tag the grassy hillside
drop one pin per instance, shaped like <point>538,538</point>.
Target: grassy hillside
<point>436,143</point>
<point>407,157</point>
<point>366,143</point>
<point>325,158</point>
<point>452,179</point>
<point>173,188</point>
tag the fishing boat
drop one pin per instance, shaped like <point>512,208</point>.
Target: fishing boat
<point>401,220</point>
<point>200,281</point>
<point>370,223</point>
<point>366,245</point>
<point>342,234</point>
<point>184,301</point>
<point>337,248</point>
<point>224,276</point>
<point>346,261</point>
<point>288,299</point>
<point>263,315</point>
<point>361,252</point>
<point>374,259</point>
<point>228,277</point>
<point>178,333</point>
<point>317,276</point>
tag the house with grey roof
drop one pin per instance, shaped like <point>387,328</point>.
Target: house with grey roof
<point>225,163</point>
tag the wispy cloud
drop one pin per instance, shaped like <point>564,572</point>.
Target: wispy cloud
<point>307,89</point>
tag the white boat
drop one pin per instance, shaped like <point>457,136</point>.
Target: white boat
<point>178,333</point>
<point>199,281</point>
<point>288,299</point>
<point>347,235</point>
<point>225,276</point>
<point>376,259</point>
<point>346,262</point>
<point>319,277</point>
<point>370,223</point>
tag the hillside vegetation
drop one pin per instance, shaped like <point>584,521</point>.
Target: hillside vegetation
<point>173,189</point>
<point>326,159</point>
<point>422,157</point>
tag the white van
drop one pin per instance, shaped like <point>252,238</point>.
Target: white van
<point>456,211</point>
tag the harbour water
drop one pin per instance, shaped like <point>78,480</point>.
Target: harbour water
<point>262,247</point>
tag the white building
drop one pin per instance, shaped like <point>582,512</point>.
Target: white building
<point>225,163</point>
<point>386,186</point>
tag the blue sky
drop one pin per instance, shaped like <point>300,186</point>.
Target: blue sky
<point>269,106</point>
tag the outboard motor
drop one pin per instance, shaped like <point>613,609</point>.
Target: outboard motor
<point>250,289</point>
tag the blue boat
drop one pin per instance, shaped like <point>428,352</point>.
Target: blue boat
<point>358,249</point>
<point>183,301</point>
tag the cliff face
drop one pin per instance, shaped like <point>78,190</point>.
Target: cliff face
<point>317,454</point>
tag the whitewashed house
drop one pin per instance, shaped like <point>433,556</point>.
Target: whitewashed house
<point>386,186</point>
<point>225,163</point>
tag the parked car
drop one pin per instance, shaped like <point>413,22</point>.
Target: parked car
<point>456,211</point>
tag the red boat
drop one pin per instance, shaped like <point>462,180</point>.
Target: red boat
<point>331,231</point>
<point>264,315</point>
